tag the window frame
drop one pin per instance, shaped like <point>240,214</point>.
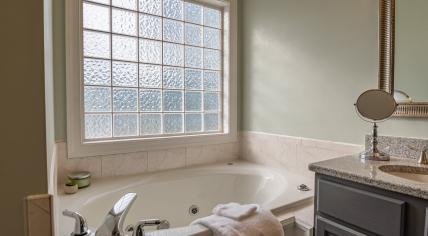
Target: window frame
<point>78,147</point>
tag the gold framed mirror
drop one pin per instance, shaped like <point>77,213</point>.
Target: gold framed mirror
<point>390,73</point>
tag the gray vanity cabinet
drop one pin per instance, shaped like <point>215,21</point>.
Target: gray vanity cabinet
<point>344,208</point>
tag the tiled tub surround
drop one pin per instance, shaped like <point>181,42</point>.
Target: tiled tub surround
<point>142,162</point>
<point>292,153</point>
<point>399,146</point>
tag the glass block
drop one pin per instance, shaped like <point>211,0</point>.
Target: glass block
<point>150,124</point>
<point>212,38</point>
<point>97,99</point>
<point>150,51</point>
<point>124,22</point>
<point>125,99</point>
<point>193,34</point>
<point>96,44</point>
<point>107,2</point>
<point>212,80</point>
<point>173,9</point>
<point>96,72</point>
<point>129,4</point>
<point>193,101</point>
<point>125,48</point>
<point>125,125</point>
<point>193,123</point>
<point>211,122</point>
<point>150,76</point>
<point>173,54</point>
<point>153,7</point>
<point>96,17</point>
<point>97,126</point>
<point>212,59</point>
<point>193,79</point>
<point>192,13</point>
<point>150,27</point>
<point>211,101</point>
<point>150,100</point>
<point>173,31</point>
<point>173,101</point>
<point>193,57</point>
<point>173,123</point>
<point>212,17</point>
<point>173,77</point>
<point>125,74</point>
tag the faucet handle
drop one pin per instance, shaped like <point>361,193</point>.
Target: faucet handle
<point>423,157</point>
<point>80,226</point>
<point>138,229</point>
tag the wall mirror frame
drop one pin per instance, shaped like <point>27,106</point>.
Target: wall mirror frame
<point>387,13</point>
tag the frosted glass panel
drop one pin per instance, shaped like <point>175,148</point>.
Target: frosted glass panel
<point>96,17</point>
<point>129,4</point>
<point>173,9</point>
<point>212,59</point>
<point>125,48</point>
<point>125,74</point>
<point>193,34</point>
<point>173,101</point>
<point>153,7</point>
<point>97,126</point>
<point>96,72</point>
<point>193,79</point>
<point>150,76</point>
<point>97,99</point>
<point>193,101</point>
<point>212,17</point>
<point>96,44</point>
<point>193,57</point>
<point>125,99</point>
<point>193,123</point>
<point>150,100</point>
<point>211,101</point>
<point>193,13</point>
<point>173,77</point>
<point>150,51</point>
<point>211,122</point>
<point>150,124</point>
<point>173,54</point>
<point>173,123</point>
<point>212,38</point>
<point>124,22</point>
<point>150,27</point>
<point>125,125</point>
<point>173,31</point>
<point>212,80</point>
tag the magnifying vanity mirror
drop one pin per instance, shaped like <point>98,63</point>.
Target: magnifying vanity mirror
<point>403,50</point>
<point>375,106</point>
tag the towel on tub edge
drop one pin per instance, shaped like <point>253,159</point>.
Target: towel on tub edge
<point>258,223</point>
<point>235,211</point>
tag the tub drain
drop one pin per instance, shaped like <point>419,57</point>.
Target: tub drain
<point>193,210</point>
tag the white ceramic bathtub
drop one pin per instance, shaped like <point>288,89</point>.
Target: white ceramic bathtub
<point>169,194</point>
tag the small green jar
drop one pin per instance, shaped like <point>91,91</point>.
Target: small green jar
<point>82,179</point>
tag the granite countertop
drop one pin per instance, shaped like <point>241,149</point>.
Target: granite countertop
<point>354,169</point>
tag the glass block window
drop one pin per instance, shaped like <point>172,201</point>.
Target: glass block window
<point>151,68</point>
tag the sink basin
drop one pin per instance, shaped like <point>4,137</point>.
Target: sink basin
<point>413,173</point>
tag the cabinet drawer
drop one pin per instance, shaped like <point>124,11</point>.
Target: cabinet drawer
<point>372,212</point>
<point>325,227</point>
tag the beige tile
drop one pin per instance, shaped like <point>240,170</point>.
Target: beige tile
<point>124,164</point>
<point>166,159</point>
<point>208,154</point>
<point>38,215</point>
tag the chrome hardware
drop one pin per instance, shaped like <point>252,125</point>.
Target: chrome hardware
<point>80,226</point>
<point>303,187</point>
<point>138,229</point>
<point>423,157</point>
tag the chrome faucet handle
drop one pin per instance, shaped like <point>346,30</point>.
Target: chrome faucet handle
<point>138,229</point>
<point>423,157</point>
<point>113,223</point>
<point>80,226</point>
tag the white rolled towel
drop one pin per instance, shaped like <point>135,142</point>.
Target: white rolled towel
<point>235,211</point>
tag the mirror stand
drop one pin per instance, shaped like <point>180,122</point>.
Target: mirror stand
<point>374,154</point>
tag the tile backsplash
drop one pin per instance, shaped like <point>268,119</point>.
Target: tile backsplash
<point>399,146</point>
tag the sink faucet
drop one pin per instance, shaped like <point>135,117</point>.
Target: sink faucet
<point>113,222</point>
<point>423,157</point>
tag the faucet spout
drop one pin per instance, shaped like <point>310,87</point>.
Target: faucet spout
<point>113,222</point>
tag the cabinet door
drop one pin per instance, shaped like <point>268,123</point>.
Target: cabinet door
<point>426,222</point>
<point>325,227</point>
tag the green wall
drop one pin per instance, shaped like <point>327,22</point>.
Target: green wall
<point>303,64</point>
